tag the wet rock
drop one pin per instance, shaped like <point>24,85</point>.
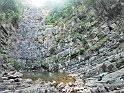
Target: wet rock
<point>2,87</point>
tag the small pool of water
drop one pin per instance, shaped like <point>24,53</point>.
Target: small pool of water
<point>49,76</point>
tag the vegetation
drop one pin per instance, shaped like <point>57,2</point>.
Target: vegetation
<point>52,51</point>
<point>12,62</point>
<point>76,19</point>
<point>62,13</point>
<point>74,9</point>
<point>99,44</point>
<point>10,10</point>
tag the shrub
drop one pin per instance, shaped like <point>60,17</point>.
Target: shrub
<point>13,63</point>
<point>12,10</point>
<point>109,9</point>
<point>52,51</point>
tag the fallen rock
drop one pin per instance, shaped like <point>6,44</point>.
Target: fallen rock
<point>29,81</point>
<point>13,75</point>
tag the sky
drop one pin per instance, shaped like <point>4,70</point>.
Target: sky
<point>40,3</point>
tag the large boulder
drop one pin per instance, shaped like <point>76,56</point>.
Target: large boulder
<point>13,75</point>
<point>111,68</point>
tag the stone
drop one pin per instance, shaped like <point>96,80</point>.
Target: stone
<point>104,67</point>
<point>104,26</point>
<point>11,80</point>
<point>10,87</point>
<point>79,91</point>
<point>7,91</point>
<point>96,39</point>
<point>6,82</point>
<point>18,74</point>
<point>2,73</point>
<point>11,72</point>
<point>63,90</point>
<point>39,81</point>
<point>86,91</point>
<point>13,75</point>
<point>111,68</point>
<point>4,78</point>
<point>2,87</point>
<point>113,25</point>
<point>76,88</point>
<point>67,88</point>
<point>93,58</point>
<point>19,91</point>
<point>29,81</point>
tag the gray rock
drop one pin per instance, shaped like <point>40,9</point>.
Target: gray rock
<point>111,68</point>
<point>29,81</point>
<point>4,78</point>
<point>2,87</point>
<point>18,74</point>
<point>18,91</point>
<point>7,91</point>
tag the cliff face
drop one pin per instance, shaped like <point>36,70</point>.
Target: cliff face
<point>9,37</point>
<point>91,29</point>
<point>76,33</point>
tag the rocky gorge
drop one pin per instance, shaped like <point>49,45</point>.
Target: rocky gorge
<point>87,46</point>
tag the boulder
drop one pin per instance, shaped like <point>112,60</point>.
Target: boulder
<point>104,67</point>
<point>29,81</point>
<point>10,87</point>
<point>111,68</point>
<point>13,75</point>
<point>19,91</point>
<point>2,87</point>
<point>18,74</point>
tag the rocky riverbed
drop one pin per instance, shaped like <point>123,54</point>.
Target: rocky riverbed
<point>13,82</point>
